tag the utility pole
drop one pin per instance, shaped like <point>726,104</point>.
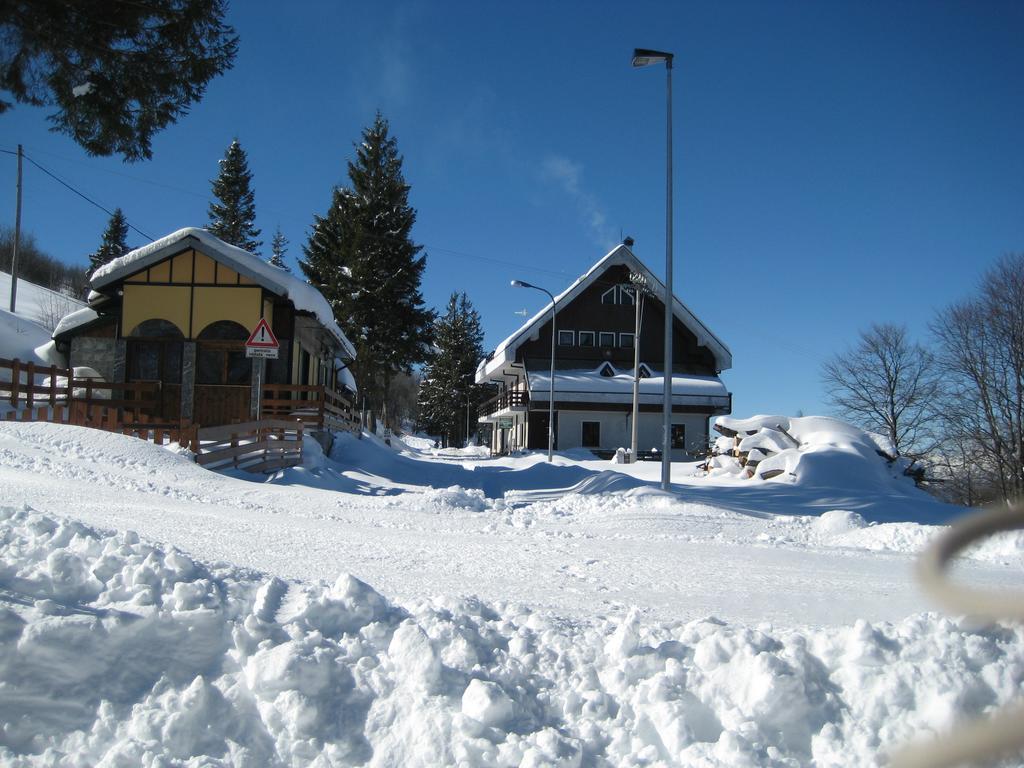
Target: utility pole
<point>17,239</point>
<point>638,284</point>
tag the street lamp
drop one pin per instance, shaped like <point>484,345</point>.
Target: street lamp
<point>643,57</point>
<point>551,381</point>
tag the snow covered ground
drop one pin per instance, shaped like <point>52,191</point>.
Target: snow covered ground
<point>406,606</point>
<point>26,333</point>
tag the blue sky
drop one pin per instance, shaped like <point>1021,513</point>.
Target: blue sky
<point>837,164</point>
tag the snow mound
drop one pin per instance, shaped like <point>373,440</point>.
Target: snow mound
<point>120,652</point>
<point>808,450</point>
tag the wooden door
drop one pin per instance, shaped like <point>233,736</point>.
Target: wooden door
<point>217,404</point>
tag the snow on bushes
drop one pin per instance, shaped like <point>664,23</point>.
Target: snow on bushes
<point>117,652</point>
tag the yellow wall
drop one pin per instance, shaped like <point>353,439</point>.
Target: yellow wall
<point>207,303</point>
<point>155,302</point>
<point>181,268</point>
<point>212,304</point>
<point>204,268</point>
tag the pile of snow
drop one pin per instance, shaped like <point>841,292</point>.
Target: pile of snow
<point>25,334</point>
<point>40,305</point>
<point>812,450</point>
<point>122,652</point>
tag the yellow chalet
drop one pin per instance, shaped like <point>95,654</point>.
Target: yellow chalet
<point>180,310</point>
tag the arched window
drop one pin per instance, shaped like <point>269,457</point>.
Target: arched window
<point>220,354</point>
<point>153,352</point>
<point>606,370</point>
<point>645,372</point>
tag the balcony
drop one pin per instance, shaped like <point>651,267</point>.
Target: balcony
<point>516,401</point>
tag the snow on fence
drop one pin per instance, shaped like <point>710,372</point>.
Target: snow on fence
<point>254,446</point>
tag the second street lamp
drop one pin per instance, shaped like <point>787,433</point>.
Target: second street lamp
<point>551,381</point>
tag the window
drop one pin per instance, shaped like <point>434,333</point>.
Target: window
<point>591,437</point>
<point>154,352</point>
<point>607,370</point>
<point>627,295</point>
<point>607,339</point>
<point>609,296</point>
<point>679,437</point>
<point>220,354</point>
<point>586,338</point>
<point>645,372</point>
<point>566,338</point>
<point>626,340</point>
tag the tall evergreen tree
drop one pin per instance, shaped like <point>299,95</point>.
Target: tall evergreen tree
<point>233,212</point>
<point>360,255</point>
<point>448,394</point>
<point>113,243</point>
<point>278,248</point>
<point>115,73</point>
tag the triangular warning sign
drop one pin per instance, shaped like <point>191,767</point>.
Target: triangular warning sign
<point>262,337</point>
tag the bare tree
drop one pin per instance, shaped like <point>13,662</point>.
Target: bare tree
<point>886,384</point>
<point>983,360</point>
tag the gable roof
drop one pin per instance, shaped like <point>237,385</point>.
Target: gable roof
<point>305,297</point>
<point>620,254</point>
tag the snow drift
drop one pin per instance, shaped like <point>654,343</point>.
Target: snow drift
<point>119,652</point>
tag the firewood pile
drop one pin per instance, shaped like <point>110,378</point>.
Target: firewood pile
<point>742,450</point>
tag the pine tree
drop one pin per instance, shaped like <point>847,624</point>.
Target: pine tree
<point>233,212</point>
<point>115,73</point>
<point>361,257</point>
<point>278,248</point>
<point>113,243</point>
<point>448,392</point>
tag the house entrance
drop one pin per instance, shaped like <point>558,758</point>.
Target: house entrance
<point>223,375</point>
<point>537,433</point>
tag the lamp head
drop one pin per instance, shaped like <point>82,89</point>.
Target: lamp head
<point>521,284</point>
<point>644,57</point>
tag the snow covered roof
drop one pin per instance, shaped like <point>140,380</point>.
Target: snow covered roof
<point>591,386</point>
<point>620,254</point>
<point>305,297</point>
<point>76,319</point>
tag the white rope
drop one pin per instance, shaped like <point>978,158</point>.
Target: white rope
<point>1001,735</point>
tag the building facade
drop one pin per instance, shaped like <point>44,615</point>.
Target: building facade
<point>180,310</point>
<point>594,369</point>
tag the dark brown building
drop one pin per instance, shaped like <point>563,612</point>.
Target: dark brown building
<point>594,368</point>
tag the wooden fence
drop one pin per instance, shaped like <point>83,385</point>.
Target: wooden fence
<point>31,385</point>
<point>111,420</point>
<point>255,446</point>
<point>313,404</point>
<point>54,394</point>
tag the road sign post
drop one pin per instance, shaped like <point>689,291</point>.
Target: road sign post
<point>262,344</point>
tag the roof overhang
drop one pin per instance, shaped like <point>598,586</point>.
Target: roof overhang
<point>493,367</point>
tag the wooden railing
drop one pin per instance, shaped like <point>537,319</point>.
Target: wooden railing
<point>29,385</point>
<point>313,404</point>
<point>139,425</point>
<point>255,446</point>
<point>516,398</point>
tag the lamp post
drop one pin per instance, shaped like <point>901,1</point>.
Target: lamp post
<point>643,57</point>
<point>551,380</point>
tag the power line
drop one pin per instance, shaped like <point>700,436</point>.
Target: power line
<point>76,191</point>
<point>431,249</point>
